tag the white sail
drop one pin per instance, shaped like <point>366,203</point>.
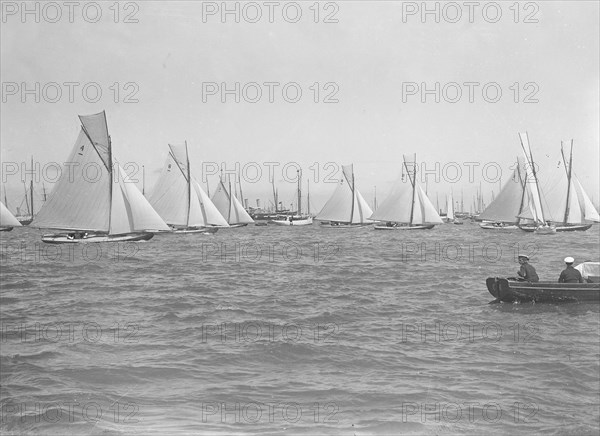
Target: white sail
<point>91,196</point>
<point>336,208</point>
<point>362,210</point>
<point>424,210</point>
<point>178,198</point>
<point>575,211</point>
<point>509,202</point>
<point>204,212</point>
<point>346,204</point>
<point>533,191</point>
<point>170,195</point>
<point>406,201</point>
<point>396,206</point>
<point>80,199</point>
<point>563,200</point>
<point>450,208</point>
<point>139,214</point>
<point>230,207</point>
<point>7,219</point>
<point>589,211</point>
<point>96,128</point>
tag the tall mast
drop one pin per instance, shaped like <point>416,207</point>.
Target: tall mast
<point>375,198</point>
<point>110,173</point>
<point>352,187</point>
<point>523,184</point>
<point>308,196</point>
<point>536,183</point>
<point>447,206</point>
<point>44,190</point>
<point>566,216</point>
<point>26,199</point>
<point>274,193</point>
<point>189,184</point>
<point>230,196</point>
<point>241,193</point>
<point>5,202</point>
<point>299,192</point>
<point>413,181</point>
<point>143,180</point>
<point>31,187</point>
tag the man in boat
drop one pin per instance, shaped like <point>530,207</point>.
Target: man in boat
<point>570,274</point>
<point>527,272</point>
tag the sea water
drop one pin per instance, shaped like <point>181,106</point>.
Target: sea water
<point>295,330</point>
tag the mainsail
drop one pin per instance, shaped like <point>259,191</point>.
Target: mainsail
<point>531,182</point>
<point>346,205</point>
<point>229,206</point>
<point>93,195</point>
<point>509,202</point>
<point>407,203</point>
<point>589,211</point>
<point>564,199</point>
<point>7,219</point>
<point>178,197</point>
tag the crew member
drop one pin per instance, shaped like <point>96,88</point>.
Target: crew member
<point>570,274</point>
<point>527,271</point>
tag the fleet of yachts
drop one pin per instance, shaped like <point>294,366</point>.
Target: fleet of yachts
<point>112,208</point>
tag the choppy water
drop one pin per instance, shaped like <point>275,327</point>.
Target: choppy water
<point>267,330</point>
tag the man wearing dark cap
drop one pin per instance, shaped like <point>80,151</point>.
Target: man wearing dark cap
<point>527,272</point>
<point>570,274</point>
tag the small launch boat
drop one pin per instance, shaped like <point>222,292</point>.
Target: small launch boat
<point>510,291</point>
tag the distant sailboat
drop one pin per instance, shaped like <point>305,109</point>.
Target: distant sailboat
<point>7,219</point>
<point>407,207</point>
<point>346,208</point>
<point>180,200</point>
<point>230,207</point>
<point>540,222</point>
<point>449,209</point>
<point>450,215</point>
<point>567,205</point>
<point>108,207</point>
<point>297,219</point>
<point>27,219</point>
<point>501,214</point>
<point>576,211</point>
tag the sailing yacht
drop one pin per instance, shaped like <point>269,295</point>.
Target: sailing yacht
<point>230,207</point>
<point>346,208</point>
<point>566,205</point>
<point>7,219</point>
<point>297,219</point>
<point>180,200</point>
<point>502,213</point>
<point>407,207</point>
<point>541,224</point>
<point>107,208</point>
<point>450,215</point>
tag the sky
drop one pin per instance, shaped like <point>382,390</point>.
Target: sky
<point>366,71</point>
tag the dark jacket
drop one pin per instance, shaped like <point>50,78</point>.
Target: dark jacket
<point>570,275</point>
<point>528,273</point>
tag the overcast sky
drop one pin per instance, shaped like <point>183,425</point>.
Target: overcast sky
<point>368,58</point>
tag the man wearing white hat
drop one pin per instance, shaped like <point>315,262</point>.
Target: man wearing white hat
<point>570,274</point>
